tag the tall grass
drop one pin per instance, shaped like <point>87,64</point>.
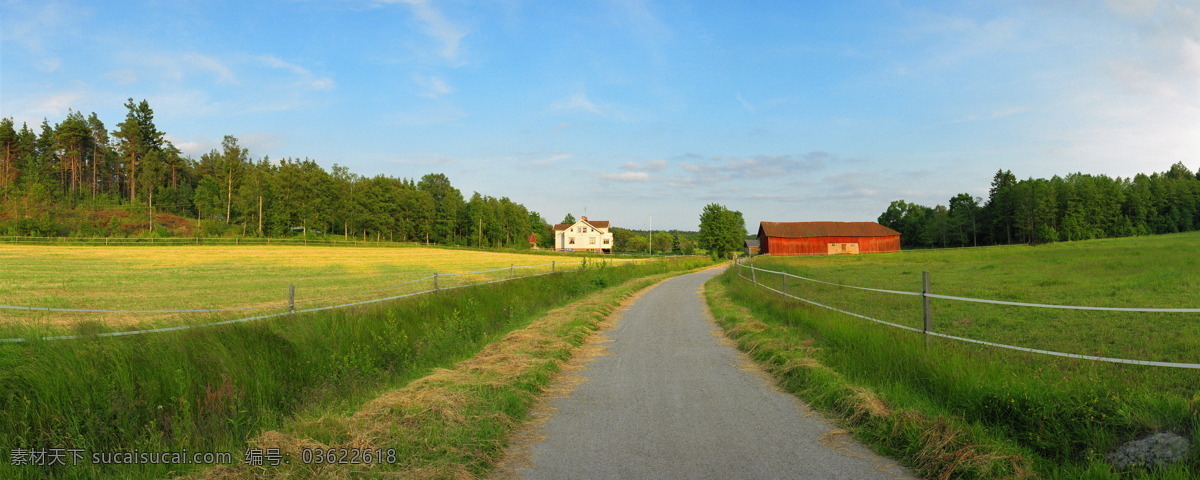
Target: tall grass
<point>1057,416</point>
<point>209,389</point>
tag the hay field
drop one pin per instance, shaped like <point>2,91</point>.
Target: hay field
<point>207,277</point>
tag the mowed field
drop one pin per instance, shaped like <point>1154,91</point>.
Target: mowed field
<point>1141,272</point>
<point>211,277</point>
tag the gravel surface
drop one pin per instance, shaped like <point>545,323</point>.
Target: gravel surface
<point>672,398</point>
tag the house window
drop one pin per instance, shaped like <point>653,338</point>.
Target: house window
<point>606,241</point>
<point>571,241</point>
<point>592,240</point>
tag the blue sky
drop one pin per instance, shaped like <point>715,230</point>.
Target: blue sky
<point>632,109</point>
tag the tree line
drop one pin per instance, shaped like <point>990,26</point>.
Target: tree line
<point>1075,207</point>
<point>79,178</point>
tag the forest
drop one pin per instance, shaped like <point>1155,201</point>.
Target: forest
<point>1075,207</point>
<point>79,178</point>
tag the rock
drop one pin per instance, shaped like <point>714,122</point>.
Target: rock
<point>1154,451</point>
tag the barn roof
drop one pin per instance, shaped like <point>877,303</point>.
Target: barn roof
<point>751,243</point>
<point>824,229</point>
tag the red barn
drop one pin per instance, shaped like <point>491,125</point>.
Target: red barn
<point>826,238</point>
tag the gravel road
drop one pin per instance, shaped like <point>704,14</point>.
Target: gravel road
<point>673,399</point>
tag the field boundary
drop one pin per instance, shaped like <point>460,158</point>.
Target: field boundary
<point>754,279</point>
<point>290,306</point>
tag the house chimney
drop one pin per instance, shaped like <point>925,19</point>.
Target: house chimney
<point>584,218</point>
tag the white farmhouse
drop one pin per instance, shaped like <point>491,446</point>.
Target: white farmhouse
<point>583,236</point>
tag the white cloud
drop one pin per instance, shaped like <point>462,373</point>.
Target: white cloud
<point>438,27</point>
<point>31,23</point>
<point>305,77</point>
<point>1134,107</point>
<point>195,146</point>
<point>751,107</point>
<point>433,86</point>
<point>195,61</point>
<point>626,176</point>
<point>56,105</point>
<point>177,66</point>
<point>758,166</point>
<point>541,160</point>
<point>184,103</point>
<point>638,19</point>
<point>48,64</point>
<point>651,166</point>
<point>577,101</point>
<point>943,42</point>
<point>742,100</point>
<point>993,115</point>
<point>123,77</point>
<point>1133,7</point>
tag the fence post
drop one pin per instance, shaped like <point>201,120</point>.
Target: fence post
<point>435,282</point>
<point>784,275</point>
<point>753,276</point>
<point>511,270</point>
<point>925,300</point>
<point>551,266</point>
<point>291,299</point>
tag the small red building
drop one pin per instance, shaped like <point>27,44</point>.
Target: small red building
<point>826,238</point>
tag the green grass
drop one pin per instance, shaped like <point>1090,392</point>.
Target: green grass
<point>210,389</point>
<point>1011,411</point>
<point>1148,272</point>
<point>453,423</point>
<point>203,277</point>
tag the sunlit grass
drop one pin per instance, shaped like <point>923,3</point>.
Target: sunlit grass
<point>1142,272</point>
<point>210,389</point>
<point>1058,416</point>
<point>204,277</point>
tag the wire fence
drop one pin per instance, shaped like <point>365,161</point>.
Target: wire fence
<point>435,286</point>
<point>744,267</point>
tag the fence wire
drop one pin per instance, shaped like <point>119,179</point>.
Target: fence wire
<point>981,342</point>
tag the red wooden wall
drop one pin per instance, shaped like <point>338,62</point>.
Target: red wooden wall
<point>820,245</point>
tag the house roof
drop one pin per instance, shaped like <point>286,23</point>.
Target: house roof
<point>594,223</point>
<point>824,229</point>
<point>752,243</point>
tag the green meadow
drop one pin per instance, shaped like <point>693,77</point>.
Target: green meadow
<point>1142,272</point>
<point>213,389</point>
<point>950,409</point>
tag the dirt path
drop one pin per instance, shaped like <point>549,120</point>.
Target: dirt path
<point>670,397</point>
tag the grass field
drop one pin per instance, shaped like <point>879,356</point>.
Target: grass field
<point>1144,272</point>
<point>204,277</point>
<point>211,389</point>
<point>957,410</point>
